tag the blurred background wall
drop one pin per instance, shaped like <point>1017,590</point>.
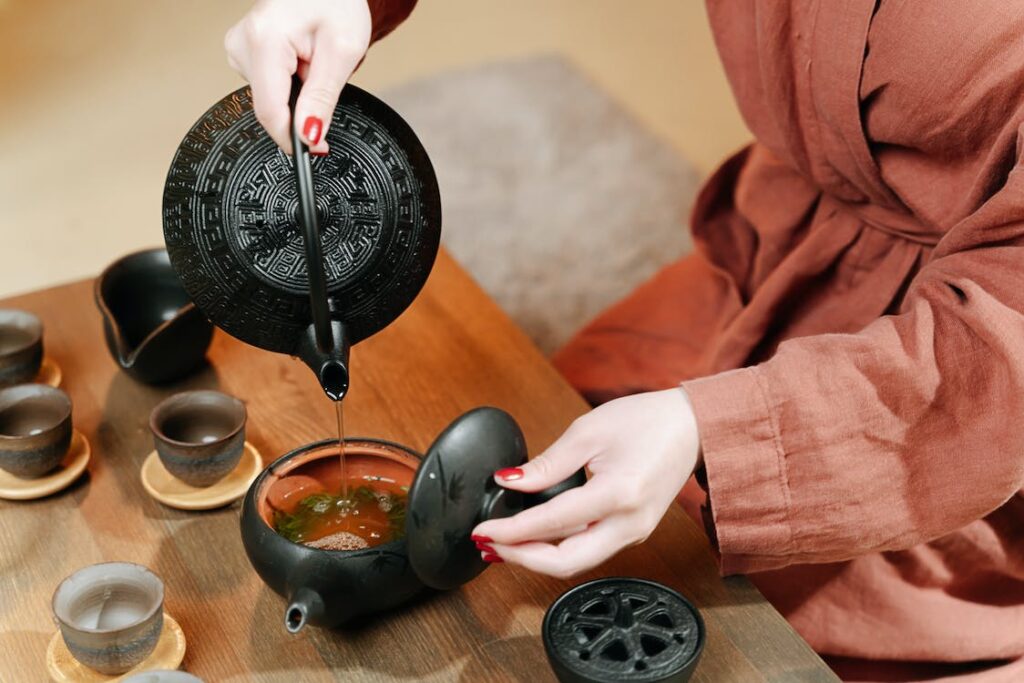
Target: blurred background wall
<point>96,94</point>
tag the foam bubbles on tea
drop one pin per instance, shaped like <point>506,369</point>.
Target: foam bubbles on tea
<point>341,540</point>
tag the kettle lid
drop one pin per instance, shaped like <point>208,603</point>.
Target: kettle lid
<point>230,221</point>
<point>451,493</point>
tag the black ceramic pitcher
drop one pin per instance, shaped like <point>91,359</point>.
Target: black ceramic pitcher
<point>302,256</point>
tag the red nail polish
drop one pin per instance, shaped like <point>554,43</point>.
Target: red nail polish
<point>312,128</point>
<point>481,539</point>
<point>319,154</point>
<point>486,549</point>
<point>492,559</point>
<point>509,474</point>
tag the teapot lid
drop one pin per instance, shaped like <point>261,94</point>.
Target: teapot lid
<point>454,490</point>
<point>232,233</point>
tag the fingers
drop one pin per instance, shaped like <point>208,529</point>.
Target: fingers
<point>271,66</point>
<point>562,459</point>
<point>559,517</point>
<point>233,43</point>
<point>321,40</point>
<point>576,554</point>
<point>330,66</point>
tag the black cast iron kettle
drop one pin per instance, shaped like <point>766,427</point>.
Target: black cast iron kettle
<point>298,255</point>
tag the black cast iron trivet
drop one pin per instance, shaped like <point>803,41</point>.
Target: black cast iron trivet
<point>623,629</point>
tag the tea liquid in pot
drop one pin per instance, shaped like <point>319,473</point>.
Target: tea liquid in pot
<point>320,506</point>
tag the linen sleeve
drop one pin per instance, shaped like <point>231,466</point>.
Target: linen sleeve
<point>846,444</point>
<point>387,15</point>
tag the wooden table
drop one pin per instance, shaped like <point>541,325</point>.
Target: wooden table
<point>451,351</point>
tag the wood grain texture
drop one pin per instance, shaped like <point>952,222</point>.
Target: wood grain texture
<point>451,351</point>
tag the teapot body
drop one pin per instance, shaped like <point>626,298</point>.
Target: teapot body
<point>325,587</point>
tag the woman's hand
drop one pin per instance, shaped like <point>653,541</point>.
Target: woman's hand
<point>321,40</point>
<point>640,450</point>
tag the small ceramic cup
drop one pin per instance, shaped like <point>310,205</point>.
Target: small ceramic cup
<point>21,346</point>
<point>35,429</point>
<point>199,435</point>
<point>110,615</point>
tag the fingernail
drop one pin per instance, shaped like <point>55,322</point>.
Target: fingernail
<point>492,558</point>
<point>483,547</point>
<point>509,474</point>
<point>312,128</point>
<point>481,539</point>
<point>319,154</point>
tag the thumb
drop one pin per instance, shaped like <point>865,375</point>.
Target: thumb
<point>560,461</point>
<point>330,67</point>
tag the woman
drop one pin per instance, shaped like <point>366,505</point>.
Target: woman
<point>848,336</point>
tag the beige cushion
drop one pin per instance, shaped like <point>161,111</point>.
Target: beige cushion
<point>554,198</point>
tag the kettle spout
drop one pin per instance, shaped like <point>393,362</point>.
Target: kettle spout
<point>328,362</point>
<point>305,606</point>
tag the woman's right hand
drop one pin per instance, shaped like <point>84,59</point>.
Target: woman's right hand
<point>321,40</point>
<point>640,450</point>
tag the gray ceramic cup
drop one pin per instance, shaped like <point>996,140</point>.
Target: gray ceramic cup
<point>162,676</point>
<point>110,615</point>
<point>199,435</point>
<point>21,346</point>
<point>35,429</point>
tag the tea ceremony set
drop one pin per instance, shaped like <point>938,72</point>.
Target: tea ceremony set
<point>137,497</point>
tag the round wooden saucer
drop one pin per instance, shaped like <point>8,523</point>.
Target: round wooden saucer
<point>16,488</point>
<point>175,493</point>
<point>167,654</point>
<point>49,373</point>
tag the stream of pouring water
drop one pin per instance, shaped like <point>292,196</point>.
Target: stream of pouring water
<point>341,450</point>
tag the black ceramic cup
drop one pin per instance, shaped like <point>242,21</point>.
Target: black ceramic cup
<point>21,346</point>
<point>199,435</point>
<point>35,429</point>
<point>110,615</point>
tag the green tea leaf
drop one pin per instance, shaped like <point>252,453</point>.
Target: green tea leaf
<point>318,502</point>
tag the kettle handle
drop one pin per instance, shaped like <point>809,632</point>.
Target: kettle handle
<point>310,231</point>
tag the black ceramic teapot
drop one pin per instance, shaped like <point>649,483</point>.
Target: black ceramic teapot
<point>451,490</point>
<point>302,256</point>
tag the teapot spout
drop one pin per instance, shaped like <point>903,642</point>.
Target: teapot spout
<point>305,606</point>
<point>328,362</point>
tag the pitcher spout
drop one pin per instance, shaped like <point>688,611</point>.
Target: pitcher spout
<point>151,328</point>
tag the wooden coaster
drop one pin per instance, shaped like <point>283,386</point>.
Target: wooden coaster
<point>175,493</point>
<point>167,654</point>
<point>16,488</point>
<point>49,373</point>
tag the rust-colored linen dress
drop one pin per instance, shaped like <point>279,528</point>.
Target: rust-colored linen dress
<point>867,472</point>
<point>850,330</point>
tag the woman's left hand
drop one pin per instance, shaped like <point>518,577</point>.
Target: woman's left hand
<point>640,450</point>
